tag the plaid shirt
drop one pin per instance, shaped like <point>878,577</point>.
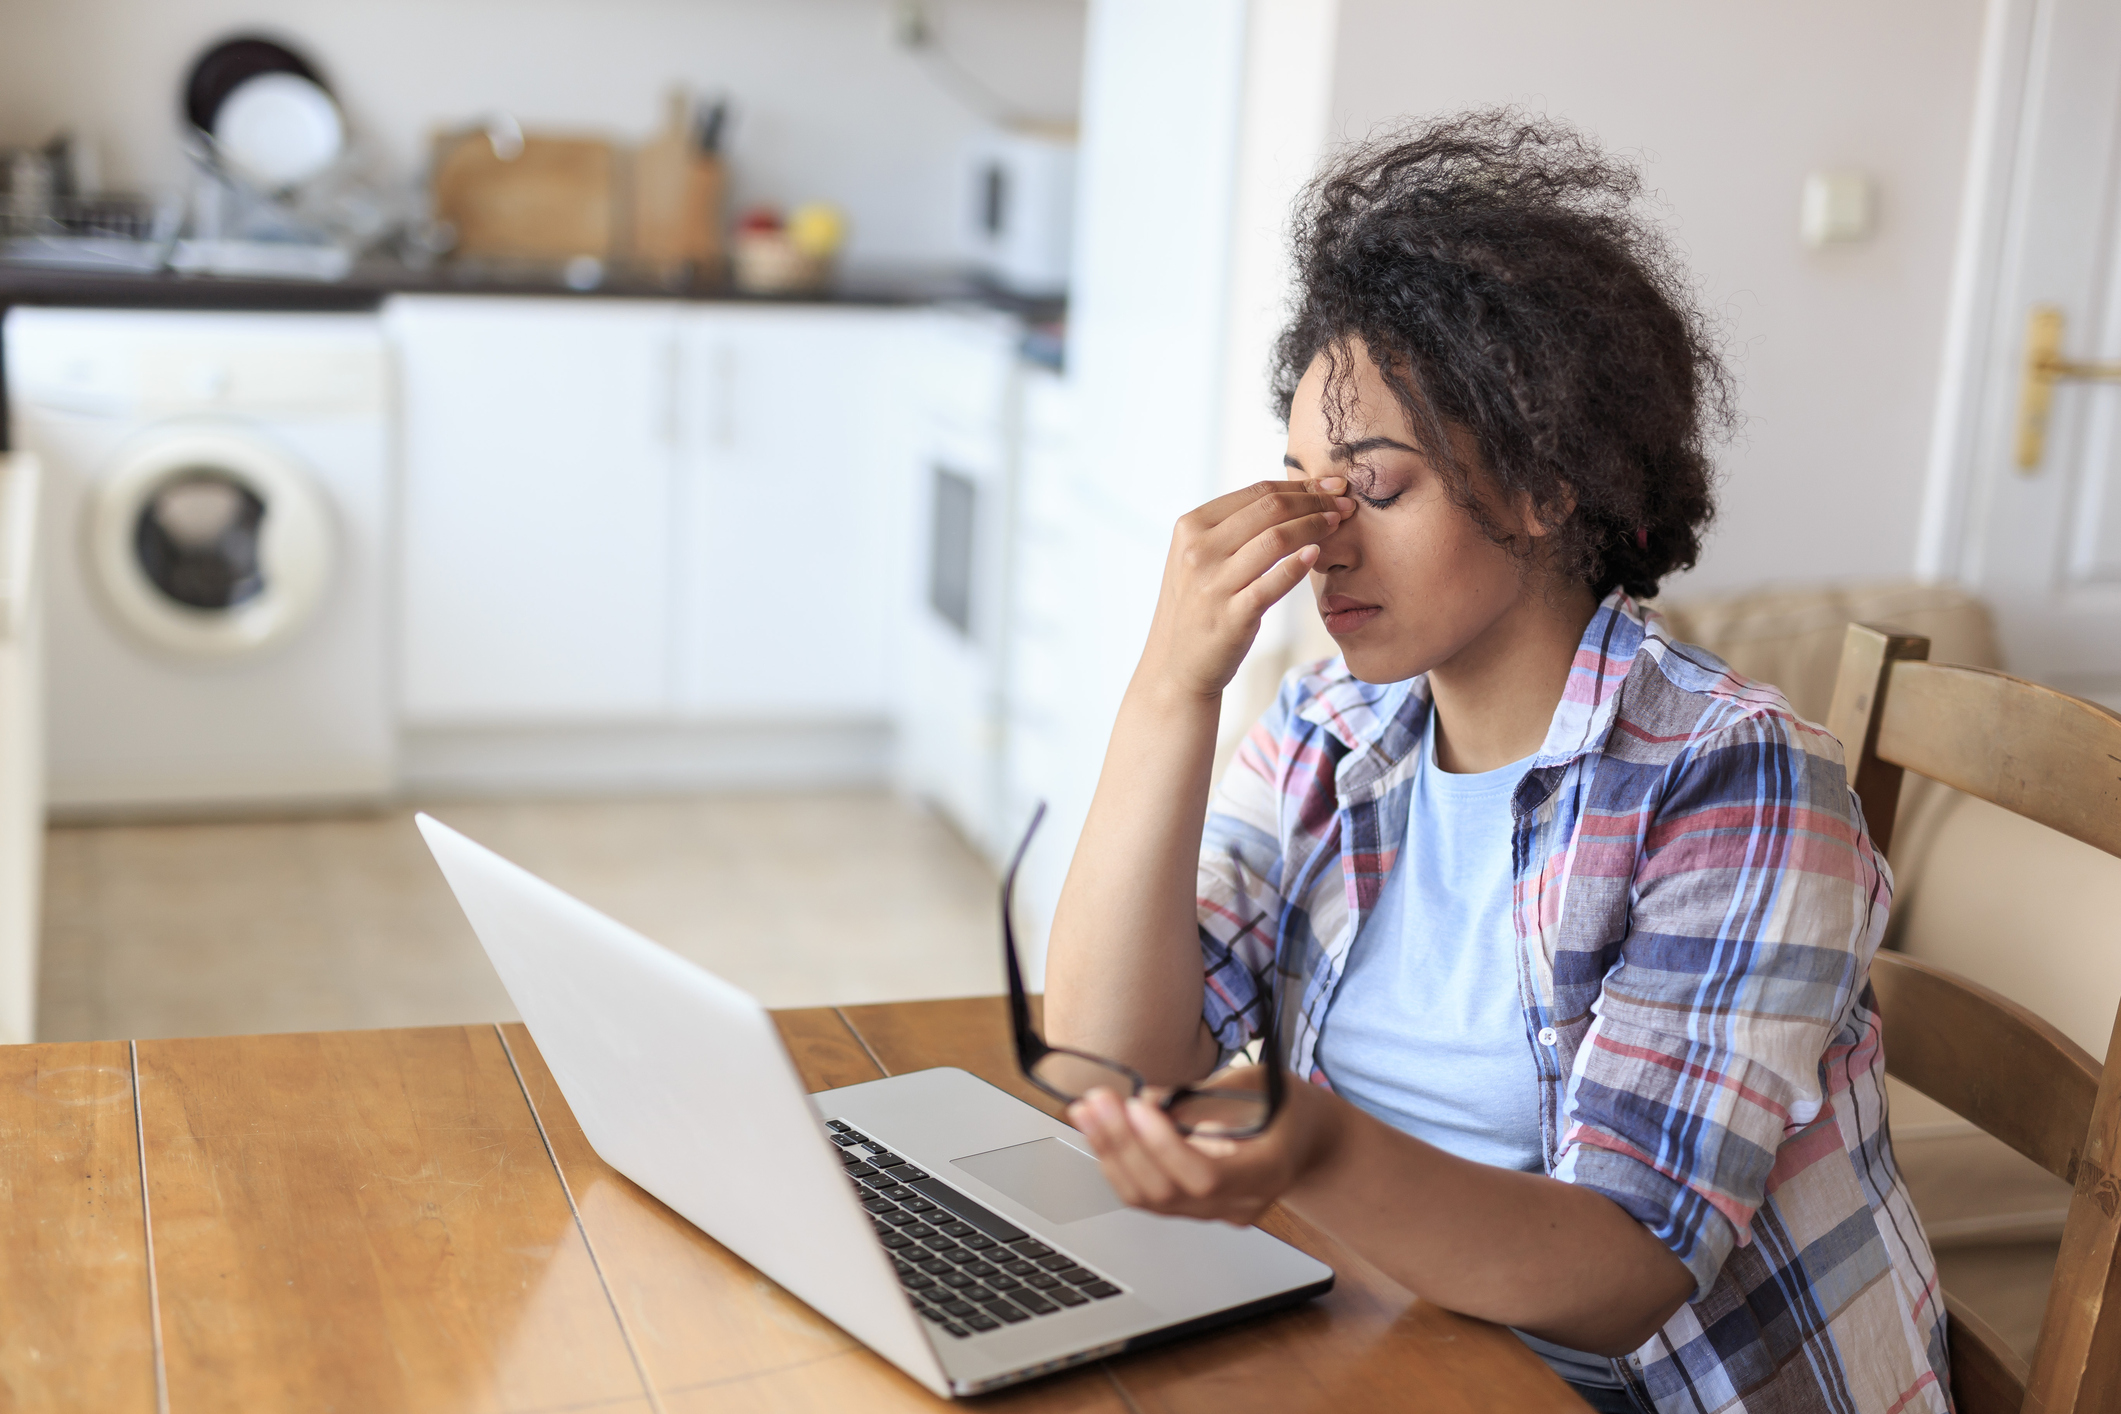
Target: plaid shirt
<point>1696,904</point>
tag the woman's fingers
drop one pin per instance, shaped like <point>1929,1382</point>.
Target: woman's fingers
<point>1160,1140</point>
<point>1273,546</point>
<point>1220,509</point>
<point>1134,1176</point>
<point>1241,531</point>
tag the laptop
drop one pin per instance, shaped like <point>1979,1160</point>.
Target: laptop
<point>958,1232</point>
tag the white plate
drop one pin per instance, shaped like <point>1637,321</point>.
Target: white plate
<point>280,129</point>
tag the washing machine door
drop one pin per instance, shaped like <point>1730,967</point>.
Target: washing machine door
<point>209,543</point>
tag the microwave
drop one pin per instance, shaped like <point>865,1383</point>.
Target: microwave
<point>1018,214</point>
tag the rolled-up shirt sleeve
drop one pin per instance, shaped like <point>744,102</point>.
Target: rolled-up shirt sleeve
<point>1756,906</point>
<point>1238,890</point>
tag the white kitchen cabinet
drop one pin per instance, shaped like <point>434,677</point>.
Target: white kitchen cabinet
<point>794,510</point>
<point>952,721</point>
<point>540,459</point>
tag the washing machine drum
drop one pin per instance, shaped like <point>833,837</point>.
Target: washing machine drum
<point>209,543</point>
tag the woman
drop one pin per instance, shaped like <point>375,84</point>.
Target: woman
<point>1569,925</point>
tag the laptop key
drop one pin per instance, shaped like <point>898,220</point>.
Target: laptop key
<point>1031,1301</point>
<point>844,1140</point>
<point>878,1205</point>
<point>1101,1289</point>
<point>982,1323</point>
<point>1055,1262</point>
<point>883,1158</point>
<point>1006,1312</point>
<point>993,1224</point>
<point>919,1205</point>
<point>936,1266</point>
<point>1074,1276</point>
<point>1067,1297</point>
<point>1043,1281</point>
<point>980,1269</point>
<point>932,1314</point>
<point>836,1125</point>
<point>957,1229</point>
<point>957,1279</point>
<point>1002,1281</point>
<point>955,1329</point>
<point>896,1240</point>
<point>914,1227</point>
<point>906,1172</point>
<point>914,1281</point>
<point>958,1308</point>
<point>1031,1249</point>
<point>859,1170</point>
<point>978,1241</point>
<point>1021,1267</point>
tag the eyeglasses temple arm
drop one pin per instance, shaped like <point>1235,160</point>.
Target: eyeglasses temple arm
<point>1030,1046</point>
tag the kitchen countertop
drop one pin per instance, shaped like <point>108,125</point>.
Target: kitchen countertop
<point>371,282</point>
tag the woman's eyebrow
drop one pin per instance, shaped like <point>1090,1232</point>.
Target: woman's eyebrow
<point>1349,451</point>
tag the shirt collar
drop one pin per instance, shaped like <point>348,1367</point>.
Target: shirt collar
<point>1386,719</point>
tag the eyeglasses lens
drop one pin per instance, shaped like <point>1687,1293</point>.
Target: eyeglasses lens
<point>1230,1114</point>
<point>1073,1076</point>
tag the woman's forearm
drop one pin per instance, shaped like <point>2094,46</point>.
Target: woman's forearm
<point>1559,1261</point>
<point>1123,970</point>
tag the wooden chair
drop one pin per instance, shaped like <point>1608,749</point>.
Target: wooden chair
<point>2056,759</point>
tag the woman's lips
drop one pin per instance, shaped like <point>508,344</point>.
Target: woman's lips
<point>1344,615</point>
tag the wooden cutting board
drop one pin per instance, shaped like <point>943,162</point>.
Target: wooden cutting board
<point>554,201</point>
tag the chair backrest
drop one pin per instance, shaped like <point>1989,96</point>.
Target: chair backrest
<point>2055,759</point>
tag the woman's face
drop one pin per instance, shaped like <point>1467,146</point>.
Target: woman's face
<point>1408,581</point>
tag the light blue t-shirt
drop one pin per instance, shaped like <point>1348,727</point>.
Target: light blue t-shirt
<point>1426,1029</point>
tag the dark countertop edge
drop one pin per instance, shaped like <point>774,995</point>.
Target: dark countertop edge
<point>369,285</point>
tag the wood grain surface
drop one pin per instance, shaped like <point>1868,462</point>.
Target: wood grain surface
<point>74,1324</point>
<point>413,1221</point>
<point>367,1220</point>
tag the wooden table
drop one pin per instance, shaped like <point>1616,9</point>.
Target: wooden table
<point>374,1221</point>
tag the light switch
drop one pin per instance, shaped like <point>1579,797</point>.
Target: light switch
<point>1836,209</point>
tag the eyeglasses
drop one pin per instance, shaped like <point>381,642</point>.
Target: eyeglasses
<point>1233,1112</point>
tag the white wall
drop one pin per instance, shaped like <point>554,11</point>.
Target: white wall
<point>827,107</point>
<point>1837,351</point>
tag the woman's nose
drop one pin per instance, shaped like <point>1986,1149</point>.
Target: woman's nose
<point>1342,547</point>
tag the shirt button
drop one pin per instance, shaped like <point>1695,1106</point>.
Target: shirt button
<point>1548,1036</point>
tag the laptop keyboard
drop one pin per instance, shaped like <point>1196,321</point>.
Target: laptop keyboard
<point>964,1266</point>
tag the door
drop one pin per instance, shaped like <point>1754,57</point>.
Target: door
<point>2026,507</point>
<point>792,511</point>
<point>539,455</point>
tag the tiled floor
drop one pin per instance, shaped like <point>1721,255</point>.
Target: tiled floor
<point>308,924</point>
<point>200,929</point>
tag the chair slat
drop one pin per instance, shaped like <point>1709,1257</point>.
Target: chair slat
<point>2030,749</point>
<point>2024,1082</point>
<point>1988,1377</point>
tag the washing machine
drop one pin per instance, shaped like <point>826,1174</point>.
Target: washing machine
<point>218,514</point>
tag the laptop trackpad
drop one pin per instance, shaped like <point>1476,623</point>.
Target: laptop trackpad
<point>1058,1182</point>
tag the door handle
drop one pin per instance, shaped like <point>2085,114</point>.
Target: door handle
<point>2044,368</point>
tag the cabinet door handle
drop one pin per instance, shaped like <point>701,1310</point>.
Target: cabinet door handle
<point>724,397</point>
<point>673,389</point>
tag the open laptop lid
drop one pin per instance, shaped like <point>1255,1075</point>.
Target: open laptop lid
<point>671,1072</point>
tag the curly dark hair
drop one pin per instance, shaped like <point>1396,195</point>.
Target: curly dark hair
<point>1495,268</point>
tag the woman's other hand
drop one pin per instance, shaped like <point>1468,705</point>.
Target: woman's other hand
<point>1230,560</point>
<point>1150,1165</point>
